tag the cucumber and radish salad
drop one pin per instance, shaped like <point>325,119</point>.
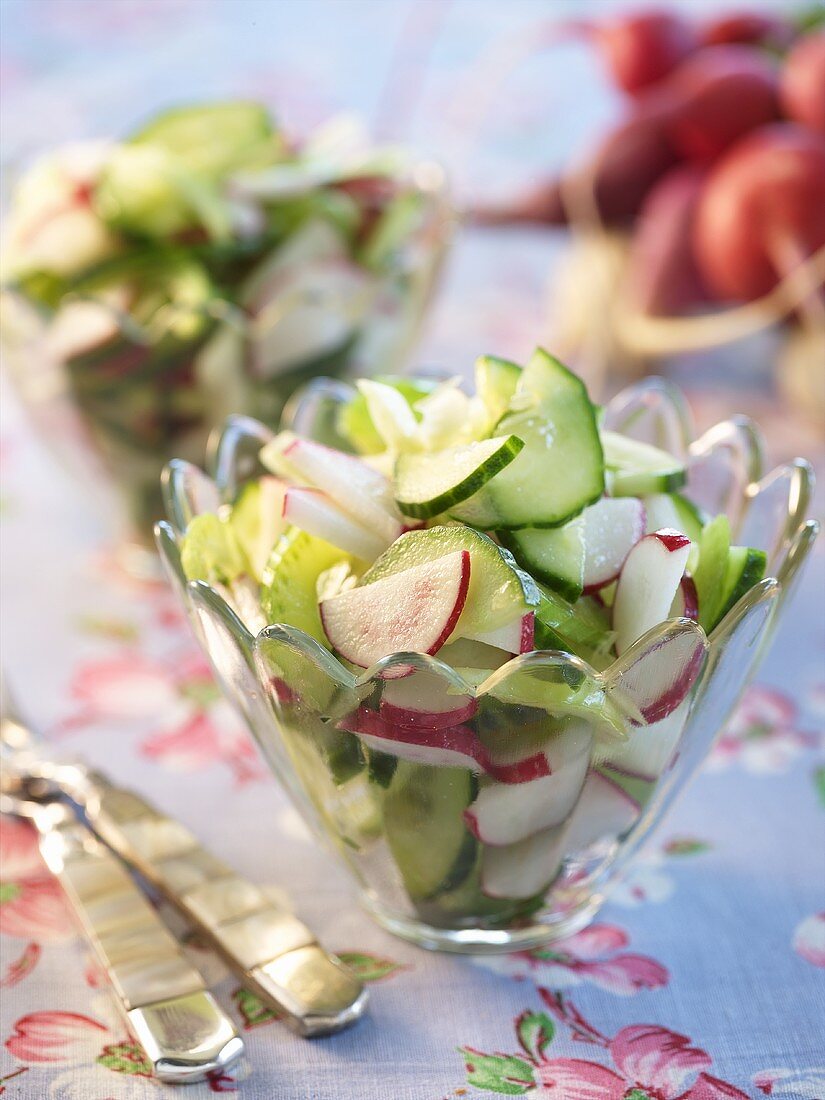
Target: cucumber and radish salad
<point>208,263</point>
<point>478,568</point>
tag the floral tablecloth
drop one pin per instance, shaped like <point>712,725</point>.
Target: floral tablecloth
<point>704,977</point>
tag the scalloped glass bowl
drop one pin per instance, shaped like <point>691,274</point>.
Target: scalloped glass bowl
<point>116,400</point>
<point>452,830</point>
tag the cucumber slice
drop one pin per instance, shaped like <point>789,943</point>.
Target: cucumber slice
<point>148,191</point>
<point>380,766</point>
<point>724,573</point>
<point>428,484</point>
<point>257,520</point>
<point>673,510</point>
<point>211,551</point>
<point>555,557</point>
<point>355,423</point>
<point>289,592</point>
<point>424,826</point>
<point>635,469</point>
<point>496,381</point>
<point>714,548</point>
<point>340,751</point>
<point>582,629</point>
<point>561,469</point>
<point>746,567</point>
<point>499,592</point>
<point>467,904</point>
<point>214,138</point>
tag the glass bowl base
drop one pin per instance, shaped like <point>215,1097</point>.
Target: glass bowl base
<point>487,941</point>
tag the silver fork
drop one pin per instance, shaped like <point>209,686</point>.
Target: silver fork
<point>271,952</point>
<point>183,1031</point>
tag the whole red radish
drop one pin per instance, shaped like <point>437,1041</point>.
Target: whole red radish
<point>748,28</point>
<point>612,184</point>
<point>802,89</point>
<point>718,95</point>
<point>642,48</point>
<point>662,275</point>
<point>761,212</point>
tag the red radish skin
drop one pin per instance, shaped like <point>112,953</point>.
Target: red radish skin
<point>671,700</point>
<point>422,719</point>
<point>802,89</point>
<point>658,680</point>
<point>718,95</point>
<point>516,637</point>
<point>413,611</point>
<point>640,49</point>
<point>454,746</point>
<point>507,813</point>
<point>672,540</point>
<point>619,173</point>
<point>749,28</point>
<point>663,276</point>
<point>648,582</point>
<point>761,212</point>
<point>686,603</point>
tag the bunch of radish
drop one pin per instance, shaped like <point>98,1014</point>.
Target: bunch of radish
<point>716,171</point>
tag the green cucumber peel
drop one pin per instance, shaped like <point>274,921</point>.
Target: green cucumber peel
<point>560,470</point>
<point>211,551</point>
<point>426,485</point>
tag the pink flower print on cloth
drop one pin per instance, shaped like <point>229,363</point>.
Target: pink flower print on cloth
<point>595,956</point>
<point>653,1063</point>
<point>762,735</point>
<point>32,904</point>
<point>809,939</point>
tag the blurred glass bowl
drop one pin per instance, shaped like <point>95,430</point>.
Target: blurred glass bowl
<point>116,398</point>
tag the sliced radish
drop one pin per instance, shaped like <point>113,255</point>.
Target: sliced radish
<point>414,611</point>
<point>523,869</point>
<point>451,747</point>
<point>612,527</point>
<point>362,492</point>
<point>686,601</point>
<point>271,521</point>
<point>649,749</point>
<point>647,584</point>
<point>443,746</point>
<point>314,512</point>
<point>516,636</point>
<point>421,701</point>
<point>603,811</point>
<point>659,678</point>
<point>506,813</point>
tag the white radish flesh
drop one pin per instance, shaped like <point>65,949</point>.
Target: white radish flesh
<point>516,636</point>
<point>648,584</point>
<point>604,811</point>
<point>507,813</point>
<point>314,512</point>
<point>612,527</point>
<point>415,610</point>
<point>523,869</point>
